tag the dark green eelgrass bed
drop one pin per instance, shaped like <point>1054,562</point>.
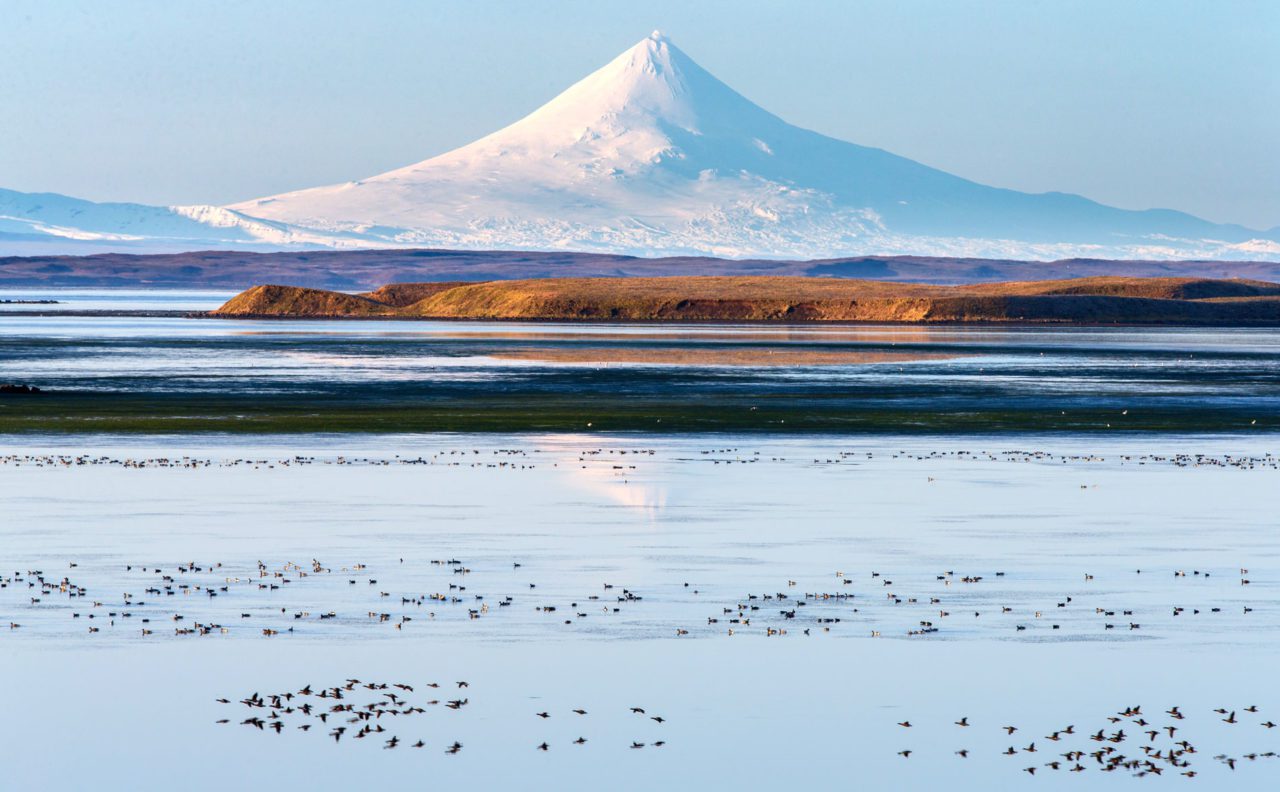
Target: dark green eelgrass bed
<point>793,413</point>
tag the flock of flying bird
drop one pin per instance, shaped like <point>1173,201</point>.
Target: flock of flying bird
<point>360,710</point>
<point>1152,746</point>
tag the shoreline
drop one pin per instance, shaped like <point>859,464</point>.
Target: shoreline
<point>525,320</point>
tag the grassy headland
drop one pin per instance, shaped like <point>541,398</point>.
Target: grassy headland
<point>1104,300</point>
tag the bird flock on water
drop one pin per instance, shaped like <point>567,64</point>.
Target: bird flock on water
<point>198,599</point>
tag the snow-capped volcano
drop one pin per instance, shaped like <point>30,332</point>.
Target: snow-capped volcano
<point>653,155</point>
<point>649,153</point>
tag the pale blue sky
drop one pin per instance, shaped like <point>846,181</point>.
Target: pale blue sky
<point>1137,104</point>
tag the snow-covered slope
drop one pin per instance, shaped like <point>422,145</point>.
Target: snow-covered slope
<point>652,155</point>
<point>48,222</point>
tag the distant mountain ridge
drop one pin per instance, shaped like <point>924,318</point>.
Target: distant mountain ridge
<point>355,270</point>
<point>652,155</point>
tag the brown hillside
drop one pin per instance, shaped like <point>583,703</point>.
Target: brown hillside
<point>273,300</point>
<point>1156,288</point>
<point>399,295</point>
<point>693,298</point>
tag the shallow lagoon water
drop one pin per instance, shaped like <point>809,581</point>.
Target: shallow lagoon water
<point>822,705</point>
<point>734,516</point>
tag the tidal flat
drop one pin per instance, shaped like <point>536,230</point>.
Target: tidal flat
<point>138,374</point>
